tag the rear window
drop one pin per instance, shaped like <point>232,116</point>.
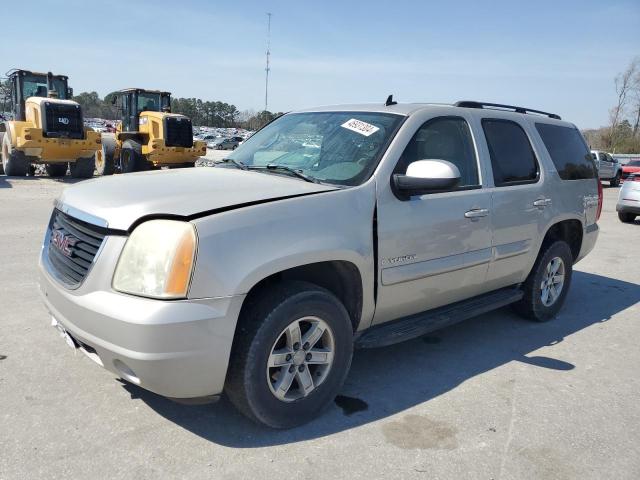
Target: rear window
<point>569,152</point>
<point>512,159</point>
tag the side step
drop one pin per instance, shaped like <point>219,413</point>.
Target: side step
<point>420,324</point>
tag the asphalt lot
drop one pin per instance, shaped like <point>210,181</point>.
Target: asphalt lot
<point>494,397</point>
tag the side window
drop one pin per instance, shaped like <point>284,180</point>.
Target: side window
<point>444,138</point>
<point>512,158</point>
<point>568,151</point>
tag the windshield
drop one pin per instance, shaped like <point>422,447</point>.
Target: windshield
<point>148,102</point>
<point>335,147</point>
<point>36,86</point>
<point>634,163</point>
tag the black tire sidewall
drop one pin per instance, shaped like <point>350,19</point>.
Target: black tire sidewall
<point>264,406</point>
<point>136,161</point>
<point>626,217</point>
<point>82,167</point>
<point>538,311</point>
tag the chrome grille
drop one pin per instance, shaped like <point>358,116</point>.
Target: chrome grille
<point>71,247</point>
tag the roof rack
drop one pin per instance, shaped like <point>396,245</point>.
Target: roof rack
<point>499,106</point>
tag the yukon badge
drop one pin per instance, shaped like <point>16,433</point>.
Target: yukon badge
<point>400,259</point>
<point>63,242</point>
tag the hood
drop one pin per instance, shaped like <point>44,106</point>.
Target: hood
<point>121,200</point>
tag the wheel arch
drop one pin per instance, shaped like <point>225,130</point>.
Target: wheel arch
<point>340,277</point>
<point>570,230</point>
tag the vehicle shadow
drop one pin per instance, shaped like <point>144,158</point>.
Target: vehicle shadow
<point>386,381</point>
<point>6,182</point>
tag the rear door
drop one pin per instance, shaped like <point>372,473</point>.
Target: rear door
<point>433,249</point>
<point>520,204</point>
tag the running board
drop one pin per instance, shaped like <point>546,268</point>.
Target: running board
<point>420,324</point>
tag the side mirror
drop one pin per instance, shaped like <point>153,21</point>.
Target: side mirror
<point>69,93</point>
<point>114,99</point>
<point>426,176</point>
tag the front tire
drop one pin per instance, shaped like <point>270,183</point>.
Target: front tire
<point>131,159</point>
<point>56,170</point>
<point>291,354</point>
<point>14,162</point>
<point>615,181</point>
<point>83,167</point>
<point>546,287</point>
<point>626,217</point>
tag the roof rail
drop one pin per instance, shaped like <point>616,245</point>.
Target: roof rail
<point>499,106</point>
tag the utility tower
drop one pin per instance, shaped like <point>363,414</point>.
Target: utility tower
<point>267,69</point>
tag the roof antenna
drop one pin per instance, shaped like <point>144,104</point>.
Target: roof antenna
<point>390,101</point>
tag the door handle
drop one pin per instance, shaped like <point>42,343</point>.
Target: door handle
<point>542,202</point>
<point>477,213</point>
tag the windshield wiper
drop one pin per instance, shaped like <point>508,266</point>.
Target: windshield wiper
<point>237,163</point>
<point>293,171</point>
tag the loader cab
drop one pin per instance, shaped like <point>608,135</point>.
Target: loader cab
<point>132,102</point>
<point>25,84</point>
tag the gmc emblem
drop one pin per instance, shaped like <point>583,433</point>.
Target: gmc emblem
<point>63,120</point>
<point>63,242</point>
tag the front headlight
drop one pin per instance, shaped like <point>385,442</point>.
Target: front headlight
<point>157,260</point>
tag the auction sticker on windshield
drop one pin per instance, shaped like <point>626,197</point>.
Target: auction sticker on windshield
<point>363,128</point>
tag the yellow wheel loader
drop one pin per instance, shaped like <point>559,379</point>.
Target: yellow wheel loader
<point>47,128</point>
<point>148,136</point>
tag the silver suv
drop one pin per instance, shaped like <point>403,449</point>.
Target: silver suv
<point>329,229</point>
<point>608,167</point>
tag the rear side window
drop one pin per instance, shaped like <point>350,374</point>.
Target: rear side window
<point>568,150</point>
<point>512,158</point>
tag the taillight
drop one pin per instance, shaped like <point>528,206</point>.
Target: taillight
<point>600,198</point>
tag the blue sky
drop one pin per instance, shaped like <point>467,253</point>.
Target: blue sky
<point>559,56</point>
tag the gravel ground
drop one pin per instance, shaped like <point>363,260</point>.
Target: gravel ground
<point>494,397</point>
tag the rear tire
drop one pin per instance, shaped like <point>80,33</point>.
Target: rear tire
<point>534,306</point>
<point>14,162</point>
<point>104,158</point>
<point>264,337</point>
<point>56,170</point>
<point>626,217</point>
<point>131,159</point>
<point>82,167</point>
<point>615,181</point>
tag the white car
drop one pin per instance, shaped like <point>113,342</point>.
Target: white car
<point>628,206</point>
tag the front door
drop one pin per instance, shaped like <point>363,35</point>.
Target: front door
<point>433,249</point>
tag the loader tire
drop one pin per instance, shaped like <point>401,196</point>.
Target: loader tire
<point>14,162</point>
<point>104,158</point>
<point>131,159</point>
<point>82,167</point>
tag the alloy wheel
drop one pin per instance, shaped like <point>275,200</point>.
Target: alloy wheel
<point>300,359</point>
<point>552,282</point>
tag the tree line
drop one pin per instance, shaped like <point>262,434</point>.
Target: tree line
<point>622,135</point>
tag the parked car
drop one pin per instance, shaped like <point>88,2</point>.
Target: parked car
<point>230,143</point>
<point>395,221</point>
<point>628,206</point>
<point>632,167</point>
<point>609,168</point>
